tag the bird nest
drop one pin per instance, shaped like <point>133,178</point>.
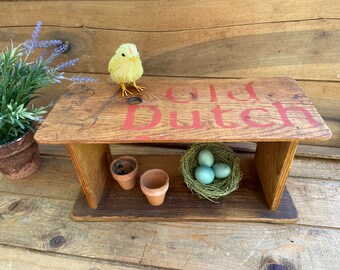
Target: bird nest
<point>219,187</point>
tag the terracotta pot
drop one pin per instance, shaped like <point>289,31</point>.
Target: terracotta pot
<point>154,184</point>
<point>124,170</point>
<point>20,158</point>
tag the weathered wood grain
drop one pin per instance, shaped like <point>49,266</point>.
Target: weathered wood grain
<point>334,126</point>
<point>273,161</point>
<point>164,15</point>
<point>309,194</point>
<point>326,98</point>
<point>38,222</point>
<point>23,259</point>
<point>314,168</point>
<point>91,162</point>
<point>302,50</point>
<point>268,109</point>
<point>316,152</point>
<point>56,178</point>
<point>59,151</point>
<point>324,95</point>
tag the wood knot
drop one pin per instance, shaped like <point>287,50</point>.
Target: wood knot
<point>275,267</point>
<point>276,263</point>
<point>57,241</point>
<point>66,45</point>
<point>17,207</point>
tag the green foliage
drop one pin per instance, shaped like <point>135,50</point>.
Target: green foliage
<point>21,78</point>
<point>19,81</point>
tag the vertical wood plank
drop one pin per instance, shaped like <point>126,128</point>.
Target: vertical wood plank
<point>273,161</point>
<point>91,162</point>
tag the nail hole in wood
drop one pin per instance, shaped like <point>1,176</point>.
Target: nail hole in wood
<point>134,100</point>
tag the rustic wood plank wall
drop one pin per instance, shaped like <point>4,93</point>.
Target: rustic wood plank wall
<point>226,39</point>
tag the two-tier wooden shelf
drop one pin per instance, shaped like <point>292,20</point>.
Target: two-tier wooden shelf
<point>273,112</point>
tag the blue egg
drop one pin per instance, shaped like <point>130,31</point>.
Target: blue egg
<point>205,157</point>
<point>204,174</point>
<point>221,170</point>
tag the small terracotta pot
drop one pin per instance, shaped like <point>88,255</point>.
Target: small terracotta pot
<point>154,184</point>
<point>124,170</point>
<point>20,158</point>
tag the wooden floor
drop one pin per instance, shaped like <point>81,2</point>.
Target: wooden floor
<point>38,233</point>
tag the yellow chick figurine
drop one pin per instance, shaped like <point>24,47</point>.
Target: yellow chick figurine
<point>126,67</point>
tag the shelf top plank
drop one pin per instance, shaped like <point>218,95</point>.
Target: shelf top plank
<point>185,110</point>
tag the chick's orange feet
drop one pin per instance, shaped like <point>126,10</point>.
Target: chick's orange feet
<point>125,92</point>
<point>138,88</point>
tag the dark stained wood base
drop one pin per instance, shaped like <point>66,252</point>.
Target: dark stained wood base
<point>245,204</point>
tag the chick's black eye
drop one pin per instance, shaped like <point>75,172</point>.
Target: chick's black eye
<point>123,54</point>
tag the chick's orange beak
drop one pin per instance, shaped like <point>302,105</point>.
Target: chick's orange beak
<point>133,58</point>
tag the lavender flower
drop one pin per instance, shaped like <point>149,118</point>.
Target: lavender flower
<point>60,49</point>
<point>56,52</point>
<point>67,64</point>
<point>77,78</point>
<point>35,34</point>
<point>28,47</point>
<point>57,74</point>
<point>39,119</point>
<point>48,43</point>
<point>59,78</point>
<point>31,44</point>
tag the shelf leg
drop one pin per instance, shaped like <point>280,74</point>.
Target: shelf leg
<point>91,162</point>
<point>273,161</point>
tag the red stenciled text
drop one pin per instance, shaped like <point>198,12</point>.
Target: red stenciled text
<point>145,117</point>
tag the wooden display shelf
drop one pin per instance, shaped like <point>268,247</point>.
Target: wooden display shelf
<point>245,204</point>
<point>273,112</point>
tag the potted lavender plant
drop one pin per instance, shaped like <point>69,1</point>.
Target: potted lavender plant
<point>20,80</point>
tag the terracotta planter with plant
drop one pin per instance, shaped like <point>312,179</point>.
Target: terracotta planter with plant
<point>20,158</point>
<point>124,170</point>
<point>21,77</point>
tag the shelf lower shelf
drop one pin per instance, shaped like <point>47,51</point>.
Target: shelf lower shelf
<point>245,204</point>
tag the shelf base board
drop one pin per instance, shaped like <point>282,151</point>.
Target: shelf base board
<point>245,204</point>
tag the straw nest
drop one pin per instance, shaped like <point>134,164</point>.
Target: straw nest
<point>219,187</point>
